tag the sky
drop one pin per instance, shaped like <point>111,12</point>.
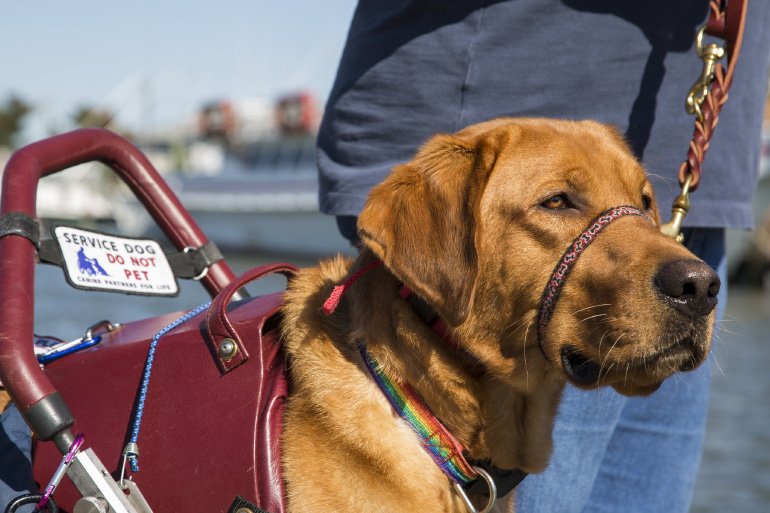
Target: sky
<point>156,62</point>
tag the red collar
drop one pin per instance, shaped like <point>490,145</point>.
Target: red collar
<point>421,308</point>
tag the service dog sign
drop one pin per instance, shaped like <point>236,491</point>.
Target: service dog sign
<point>97,261</point>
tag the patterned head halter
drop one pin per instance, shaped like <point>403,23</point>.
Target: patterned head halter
<point>567,262</point>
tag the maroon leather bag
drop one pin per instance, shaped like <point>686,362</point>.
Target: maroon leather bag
<point>211,428</point>
<point>213,415</point>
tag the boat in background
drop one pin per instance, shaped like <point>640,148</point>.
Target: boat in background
<point>251,182</point>
<point>245,211</point>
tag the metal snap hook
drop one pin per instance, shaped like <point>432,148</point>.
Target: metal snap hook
<point>679,210</point>
<point>709,54</point>
<point>492,492</point>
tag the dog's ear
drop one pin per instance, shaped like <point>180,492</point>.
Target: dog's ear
<point>422,221</point>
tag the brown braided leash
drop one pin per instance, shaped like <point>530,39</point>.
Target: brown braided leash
<point>707,96</point>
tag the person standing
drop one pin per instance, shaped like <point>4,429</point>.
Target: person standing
<point>413,68</point>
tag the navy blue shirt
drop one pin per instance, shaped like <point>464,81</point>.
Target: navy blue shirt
<point>414,68</point>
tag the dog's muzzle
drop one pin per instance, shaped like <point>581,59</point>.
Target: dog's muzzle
<point>562,270</point>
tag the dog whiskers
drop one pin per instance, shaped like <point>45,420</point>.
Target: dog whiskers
<point>723,329</point>
<point>716,362</point>
<point>602,340</point>
<point>666,179</point>
<point>524,351</point>
<point>607,373</point>
<point>592,317</point>
<point>589,307</point>
<point>645,361</point>
<point>604,360</point>
<point>608,320</point>
<point>520,323</point>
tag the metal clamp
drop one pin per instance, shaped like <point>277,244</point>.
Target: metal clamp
<point>130,451</point>
<point>679,210</point>
<point>205,271</point>
<point>19,223</point>
<point>92,479</point>
<point>710,55</point>
<point>92,337</point>
<point>492,492</point>
<point>192,262</point>
<point>103,326</point>
<point>60,471</point>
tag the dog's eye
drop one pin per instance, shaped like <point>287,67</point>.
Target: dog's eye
<point>646,202</point>
<point>556,202</point>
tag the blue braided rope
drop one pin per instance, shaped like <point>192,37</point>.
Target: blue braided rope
<point>134,457</point>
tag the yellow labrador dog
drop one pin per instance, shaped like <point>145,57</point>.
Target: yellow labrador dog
<point>489,229</point>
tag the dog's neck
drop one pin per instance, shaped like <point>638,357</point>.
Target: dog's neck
<point>503,419</point>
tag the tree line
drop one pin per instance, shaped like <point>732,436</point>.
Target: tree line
<point>14,109</point>
<point>12,112</point>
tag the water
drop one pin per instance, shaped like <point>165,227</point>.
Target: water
<point>735,472</point>
<point>734,475</point>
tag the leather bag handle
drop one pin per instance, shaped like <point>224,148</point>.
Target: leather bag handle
<point>226,342</point>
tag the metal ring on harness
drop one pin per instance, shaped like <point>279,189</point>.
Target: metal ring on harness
<point>567,262</point>
<point>205,271</point>
<point>492,492</point>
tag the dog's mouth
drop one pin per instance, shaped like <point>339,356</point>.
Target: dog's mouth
<point>683,355</point>
<point>578,368</point>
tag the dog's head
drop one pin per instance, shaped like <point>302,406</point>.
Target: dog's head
<point>476,222</point>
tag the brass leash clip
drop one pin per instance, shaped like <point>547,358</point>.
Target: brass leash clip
<point>679,210</point>
<point>710,55</point>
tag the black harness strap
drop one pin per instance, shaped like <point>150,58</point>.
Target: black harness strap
<point>241,505</point>
<point>19,223</point>
<point>505,480</point>
<point>48,253</point>
<point>193,262</point>
<point>188,264</point>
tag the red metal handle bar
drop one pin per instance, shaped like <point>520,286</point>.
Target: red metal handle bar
<point>19,370</point>
<point>49,156</point>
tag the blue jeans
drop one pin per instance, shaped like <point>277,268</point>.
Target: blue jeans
<point>15,459</point>
<point>631,455</point>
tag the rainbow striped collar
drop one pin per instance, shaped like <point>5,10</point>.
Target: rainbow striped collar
<point>437,441</point>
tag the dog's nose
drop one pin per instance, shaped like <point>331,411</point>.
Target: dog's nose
<point>691,286</point>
